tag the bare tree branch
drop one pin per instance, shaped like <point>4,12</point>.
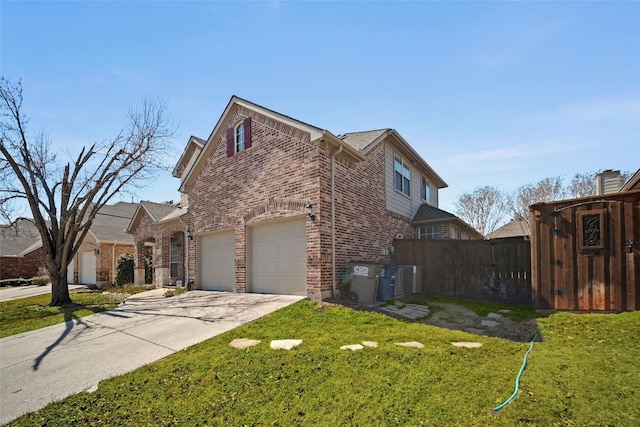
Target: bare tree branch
<point>64,199</point>
<point>483,208</point>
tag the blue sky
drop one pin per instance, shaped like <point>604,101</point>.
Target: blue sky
<point>488,93</point>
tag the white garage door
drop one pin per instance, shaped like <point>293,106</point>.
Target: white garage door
<point>279,258</point>
<point>87,269</point>
<point>216,261</point>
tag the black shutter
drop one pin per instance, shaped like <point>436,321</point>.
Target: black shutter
<point>230,142</point>
<point>247,133</point>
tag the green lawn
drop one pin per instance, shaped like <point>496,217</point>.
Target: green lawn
<point>28,314</point>
<point>585,373</point>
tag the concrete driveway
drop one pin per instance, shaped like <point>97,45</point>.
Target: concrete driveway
<point>51,363</point>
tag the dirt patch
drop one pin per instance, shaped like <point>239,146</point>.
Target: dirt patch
<point>455,317</point>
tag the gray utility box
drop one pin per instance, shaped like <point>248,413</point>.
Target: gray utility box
<point>364,280</point>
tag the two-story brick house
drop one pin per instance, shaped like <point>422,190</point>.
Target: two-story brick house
<point>275,205</point>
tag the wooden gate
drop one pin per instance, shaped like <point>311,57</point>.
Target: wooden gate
<point>585,253</point>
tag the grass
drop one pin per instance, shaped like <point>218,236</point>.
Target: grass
<point>584,373</point>
<point>28,314</point>
<point>517,312</point>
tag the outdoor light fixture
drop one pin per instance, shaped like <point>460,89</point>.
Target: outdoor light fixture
<point>309,210</point>
<point>189,234</point>
<point>96,252</point>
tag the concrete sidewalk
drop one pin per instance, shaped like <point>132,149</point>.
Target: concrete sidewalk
<point>51,363</point>
<point>18,292</point>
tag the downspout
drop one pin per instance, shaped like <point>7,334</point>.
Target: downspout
<point>333,220</point>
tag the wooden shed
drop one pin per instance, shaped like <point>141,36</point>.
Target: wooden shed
<point>585,253</point>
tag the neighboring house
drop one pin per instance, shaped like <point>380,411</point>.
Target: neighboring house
<point>433,223</point>
<point>514,228</point>
<point>95,262</point>
<point>271,204</point>
<point>20,250</point>
<point>159,233</point>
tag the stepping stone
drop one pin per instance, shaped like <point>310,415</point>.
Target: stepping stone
<point>352,347</point>
<point>489,323</point>
<point>284,344</point>
<point>242,343</point>
<point>494,316</point>
<point>467,344</point>
<point>504,311</point>
<point>371,344</point>
<point>413,344</point>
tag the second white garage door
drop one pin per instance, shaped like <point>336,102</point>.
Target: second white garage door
<point>278,258</point>
<point>216,261</point>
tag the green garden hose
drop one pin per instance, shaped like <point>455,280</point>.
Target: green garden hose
<point>524,364</point>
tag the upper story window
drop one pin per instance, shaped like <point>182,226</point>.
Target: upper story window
<point>402,175</point>
<point>240,137</point>
<point>425,190</point>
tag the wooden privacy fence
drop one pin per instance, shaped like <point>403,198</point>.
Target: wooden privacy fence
<point>585,253</point>
<point>489,270</point>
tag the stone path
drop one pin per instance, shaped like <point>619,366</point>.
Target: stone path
<point>244,343</point>
<point>459,318</point>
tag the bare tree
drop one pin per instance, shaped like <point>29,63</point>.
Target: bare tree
<point>545,190</point>
<point>483,208</point>
<point>64,196</point>
<point>582,185</point>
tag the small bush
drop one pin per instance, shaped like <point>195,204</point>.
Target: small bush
<point>14,282</point>
<point>124,269</point>
<point>40,280</point>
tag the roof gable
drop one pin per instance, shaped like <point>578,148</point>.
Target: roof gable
<point>315,133</point>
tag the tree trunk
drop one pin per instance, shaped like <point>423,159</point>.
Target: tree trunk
<point>59,290</point>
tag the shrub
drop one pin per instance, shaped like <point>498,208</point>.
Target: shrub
<point>124,269</point>
<point>40,280</point>
<point>14,282</point>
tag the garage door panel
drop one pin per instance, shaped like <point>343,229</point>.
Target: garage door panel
<point>278,258</point>
<point>216,261</point>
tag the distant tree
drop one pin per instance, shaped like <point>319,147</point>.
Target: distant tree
<point>64,196</point>
<point>483,208</point>
<point>545,190</point>
<point>582,185</point>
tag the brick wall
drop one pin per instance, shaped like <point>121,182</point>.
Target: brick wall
<point>25,267</point>
<point>364,226</point>
<point>275,178</point>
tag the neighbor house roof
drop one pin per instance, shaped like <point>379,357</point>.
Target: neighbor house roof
<point>428,214</point>
<point>158,212</point>
<point>514,228</point>
<point>111,221</point>
<point>17,237</point>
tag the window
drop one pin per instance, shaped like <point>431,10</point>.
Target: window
<point>429,232</point>
<point>174,250</point>
<point>239,141</point>
<point>239,137</point>
<point>591,230</point>
<point>425,190</point>
<point>455,233</point>
<point>402,175</point>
